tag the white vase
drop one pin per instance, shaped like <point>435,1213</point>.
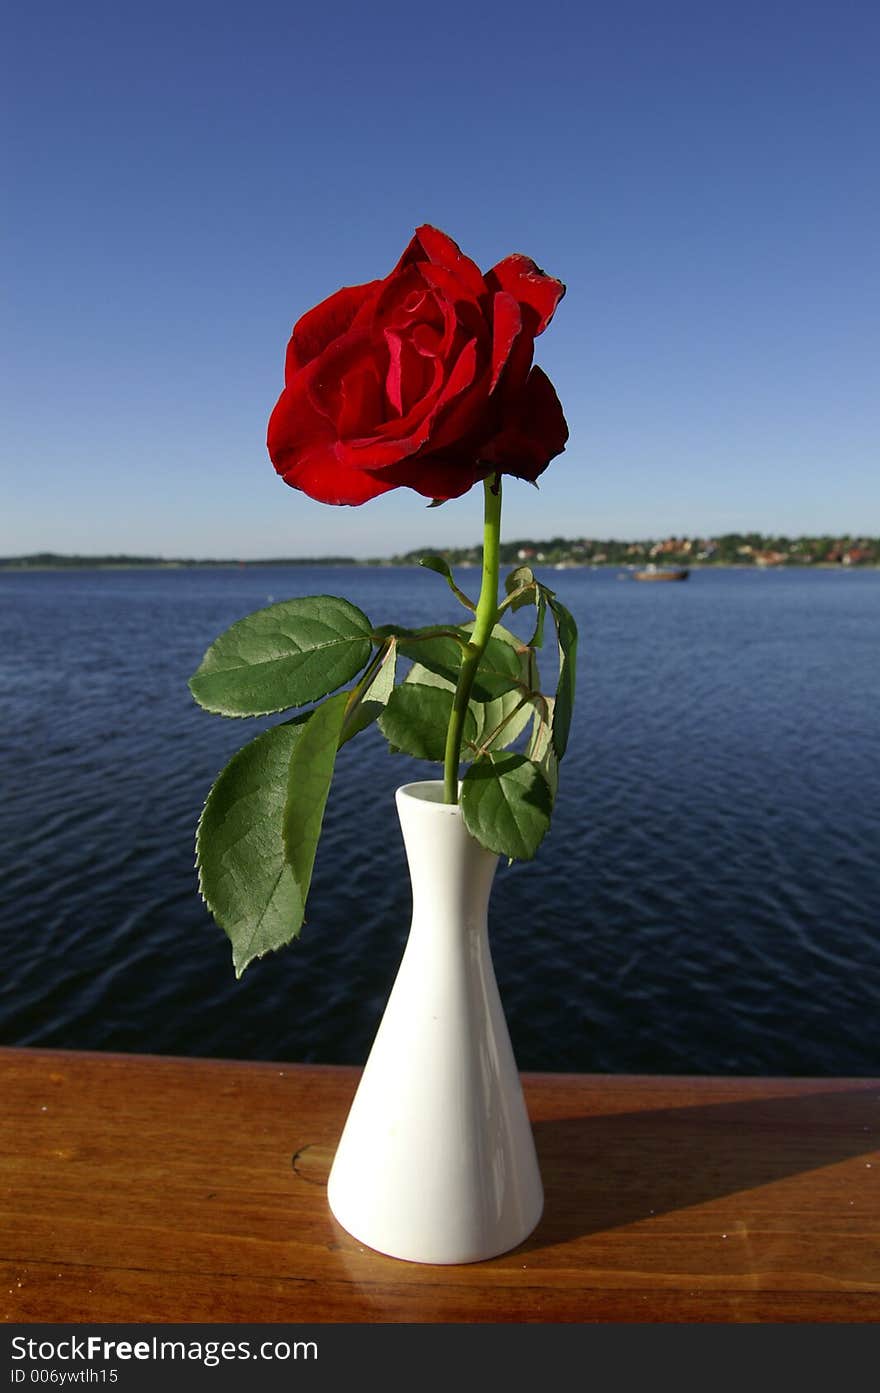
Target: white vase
<point>437,1160</point>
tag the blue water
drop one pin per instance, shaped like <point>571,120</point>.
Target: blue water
<point>707,900</point>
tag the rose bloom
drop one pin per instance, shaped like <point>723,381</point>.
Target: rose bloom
<point>423,380</point>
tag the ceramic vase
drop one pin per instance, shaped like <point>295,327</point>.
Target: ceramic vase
<point>437,1161</point>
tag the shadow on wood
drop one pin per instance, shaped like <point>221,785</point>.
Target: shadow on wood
<point>618,1169</point>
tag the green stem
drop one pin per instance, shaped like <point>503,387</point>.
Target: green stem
<point>486,619</point>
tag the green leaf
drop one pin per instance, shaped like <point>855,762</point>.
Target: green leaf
<point>537,639</point>
<point>286,655</point>
<point>542,729</point>
<point>308,784</point>
<point>486,715</point>
<point>541,748</point>
<point>424,677</point>
<point>521,587</point>
<point>517,578</point>
<point>524,589</point>
<point>509,712</point>
<point>375,697</point>
<point>490,714</point>
<point>416,719</point>
<point>504,665</point>
<point>550,769</point>
<point>244,877</point>
<point>437,563</point>
<point>567,636</point>
<point>438,648</point>
<point>506,804</point>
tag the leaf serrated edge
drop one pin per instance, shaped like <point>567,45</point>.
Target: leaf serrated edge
<point>240,966</point>
<point>521,761</point>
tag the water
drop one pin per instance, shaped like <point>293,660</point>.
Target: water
<point>707,900</point>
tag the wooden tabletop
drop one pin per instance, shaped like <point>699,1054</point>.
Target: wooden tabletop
<point>149,1189</point>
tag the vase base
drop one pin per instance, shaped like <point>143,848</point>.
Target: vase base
<point>439,1251</point>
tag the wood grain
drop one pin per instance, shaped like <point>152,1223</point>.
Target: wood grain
<point>164,1190</point>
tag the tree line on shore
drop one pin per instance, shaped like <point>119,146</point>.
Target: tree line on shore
<point>727,549</point>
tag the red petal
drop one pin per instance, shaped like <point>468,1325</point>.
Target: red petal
<point>362,399</point>
<point>453,292</point>
<point>397,440</point>
<point>517,368</point>
<point>437,476</point>
<point>462,375</point>
<point>528,284</point>
<point>326,376</point>
<point>461,403</point>
<point>326,322</point>
<point>412,376</point>
<point>401,297</point>
<point>295,423</point>
<point>506,325</point>
<point>426,340</point>
<point>533,433</point>
<point>393,379</point>
<point>421,376</point>
<point>437,247</point>
<point>320,474</point>
<point>462,422</point>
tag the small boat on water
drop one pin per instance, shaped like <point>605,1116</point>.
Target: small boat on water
<point>662,573</point>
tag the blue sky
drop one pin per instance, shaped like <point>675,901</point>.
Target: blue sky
<point>188,178</point>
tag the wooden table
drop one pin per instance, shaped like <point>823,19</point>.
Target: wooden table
<point>165,1190</point>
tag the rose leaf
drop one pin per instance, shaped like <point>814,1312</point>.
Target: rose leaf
<point>416,718</point>
<point>311,770</point>
<point>286,655</point>
<point>375,697</point>
<point>506,804</point>
<point>567,637</point>
<point>441,568</point>
<point>244,877</point>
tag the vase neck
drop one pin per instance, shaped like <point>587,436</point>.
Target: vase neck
<point>450,873</point>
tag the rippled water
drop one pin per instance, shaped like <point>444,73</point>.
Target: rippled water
<point>707,900</point>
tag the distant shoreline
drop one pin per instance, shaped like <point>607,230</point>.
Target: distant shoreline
<point>136,563</point>
<point>21,566</point>
<point>733,550</point>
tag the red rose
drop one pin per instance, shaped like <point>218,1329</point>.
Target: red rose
<point>423,379</point>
